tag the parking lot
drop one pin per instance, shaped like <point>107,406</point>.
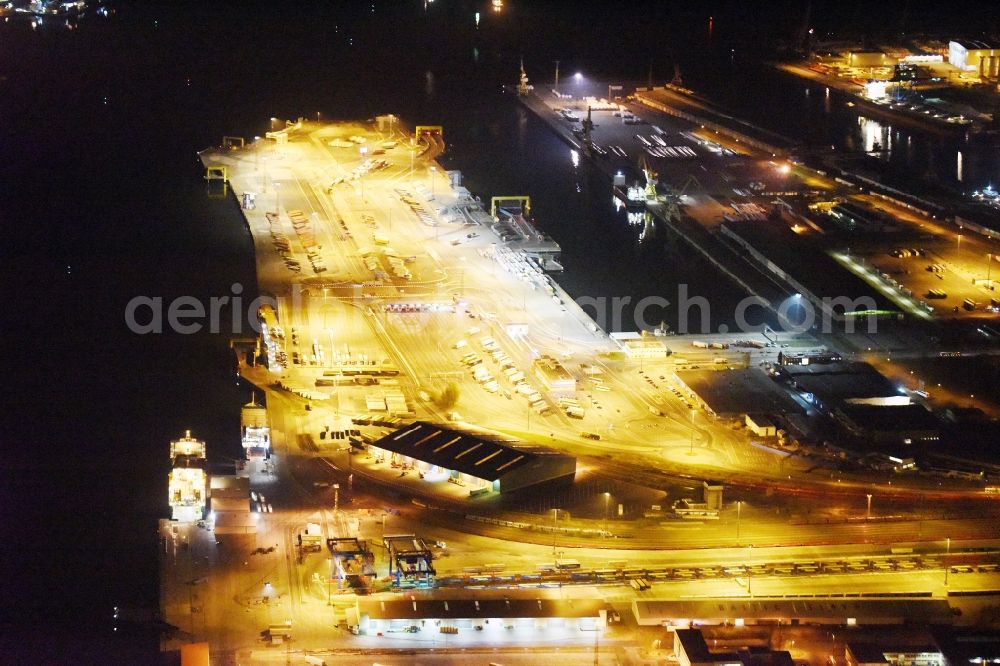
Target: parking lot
<point>931,269</point>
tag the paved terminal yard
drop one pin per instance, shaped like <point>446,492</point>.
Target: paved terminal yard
<point>385,280</point>
<point>342,310</point>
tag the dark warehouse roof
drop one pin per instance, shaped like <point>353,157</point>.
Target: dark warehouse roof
<point>468,453</point>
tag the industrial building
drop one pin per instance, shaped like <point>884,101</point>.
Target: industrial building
<point>973,56</point>
<point>372,616</point>
<point>553,375</point>
<point>188,480</point>
<point>637,345</point>
<point>471,460</point>
<point>965,647</point>
<point>863,402</point>
<point>230,504</point>
<point>941,646</point>
<point>830,385</point>
<point>857,653</point>
<point>894,424</point>
<point>692,650</point>
<point>733,394</point>
<point>869,59</point>
<point>761,425</point>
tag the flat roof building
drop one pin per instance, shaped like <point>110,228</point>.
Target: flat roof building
<point>473,460</point>
<point>553,375</point>
<point>735,393</point>
<point>967,647</point>
<point>858,653</point>
<point>975,56</point>
<point>831,385</point>
<point>230,505</point>
<point>761,425</point>
<point>893,424</point>
<point>692,650</point>
<point>493,615</point>
<point>636,345</point>
<point>866,59</point>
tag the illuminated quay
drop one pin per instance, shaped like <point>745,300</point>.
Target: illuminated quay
<point>417,361</point>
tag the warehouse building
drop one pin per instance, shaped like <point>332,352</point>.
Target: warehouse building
<point>230,504</point>
<point>973,56</point>
<point>947,646</point>
<point>474,461</point>
<point>733,394</point>
<point>553,374</point>
<point>830,385</point>
<point>692,650</point>
<point>857,653</point>
<point>640,345</point>
<point>494,618</point>
<point>865,403</point>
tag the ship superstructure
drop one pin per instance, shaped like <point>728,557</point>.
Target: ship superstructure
<point>188,483</point>
<point>255,431</point>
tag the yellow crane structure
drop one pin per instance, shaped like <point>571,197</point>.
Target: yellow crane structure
<point>651,181</point>
<point>427,129</point>
<point>217,172</point>
<point>495,203</point>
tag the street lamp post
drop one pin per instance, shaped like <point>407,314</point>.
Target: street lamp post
<point>330,332</point>
<point>691,449</point>
<point>607,500</point>
<point>739,506</point>
<point>947,552</point>
<point>749,565</point>
<point>555,517</point>
<point>868,512</point>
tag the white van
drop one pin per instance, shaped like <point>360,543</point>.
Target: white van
<point>460,344</point>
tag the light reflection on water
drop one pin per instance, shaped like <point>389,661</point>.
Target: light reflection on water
<point>876,137</point>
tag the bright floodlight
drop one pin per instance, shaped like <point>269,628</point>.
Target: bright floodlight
<point>578,76</point>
